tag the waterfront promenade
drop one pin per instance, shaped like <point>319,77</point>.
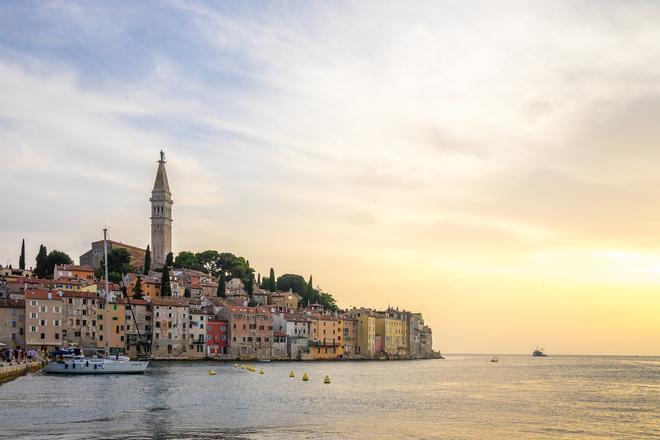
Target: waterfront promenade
<point>11,371</point>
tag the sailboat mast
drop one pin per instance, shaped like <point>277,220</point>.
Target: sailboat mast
<point>107,294</point>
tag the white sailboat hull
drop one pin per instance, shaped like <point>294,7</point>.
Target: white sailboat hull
<point>96,367</point>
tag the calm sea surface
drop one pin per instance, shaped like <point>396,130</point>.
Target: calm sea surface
<point>462,397</point>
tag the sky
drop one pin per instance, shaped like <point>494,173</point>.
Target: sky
<point>493,165</point>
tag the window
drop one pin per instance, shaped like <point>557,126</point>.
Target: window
<point>71,299</point>
<point>33,315</point>
<point>101,327</point>
<point>43,309</point>
<point>224,328</point>
<point>33,329</point>
<point>42,322</point>
<point>114,318</point>
<point>224,338</point>
<point>43,336</point>
<point>56,322</point>
<point>33,303</point>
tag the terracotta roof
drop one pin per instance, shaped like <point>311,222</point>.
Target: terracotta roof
<point>78,294</point>
<point>134,302</point>
<point>42,294</point>
<point>120,244</point>
<point>170,302</point>
<point>74,267</point>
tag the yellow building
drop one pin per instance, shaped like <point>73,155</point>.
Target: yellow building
<point>326,341</point>
<point>392,332</point>
<point>366,332</point>
<point>150,285</point>
<point>117,327</point>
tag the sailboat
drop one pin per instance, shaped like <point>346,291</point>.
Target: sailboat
<point>74,362</point>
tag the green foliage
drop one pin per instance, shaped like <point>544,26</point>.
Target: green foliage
<point>165,287</point>
<point>253,303</point>
<point>21,259</point>
<point>207,260</point>
<point>271,281</point>
<point>137,289</point>
<point>40,268</point>
<point>292,281</point>
<point>119,264</point>
<point>328,301</point>
<point>169,259</point>
<point>187,260</point>
<point>56,257</point>
<point>147,261</point>
<point>221,292</point>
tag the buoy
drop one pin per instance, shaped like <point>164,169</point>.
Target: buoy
<point>261,371</point>
<point>211,372</point>
<point>292,374</point>
<point>305,377</point>
<point>235,365</point>
<point>326,379</point>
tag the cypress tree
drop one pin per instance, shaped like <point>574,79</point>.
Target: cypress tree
<point>147,261</point>
<point>42,257</point>
<point>309,292</point>
<point>169,260</point>
<point>221,286</point>
<point>259,280</point>
<point>165,287</point>
<point>271,281</point>
<point>137,289</point>
<point>21,260</point>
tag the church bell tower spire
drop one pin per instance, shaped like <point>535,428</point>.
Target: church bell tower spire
<point>161,215</point>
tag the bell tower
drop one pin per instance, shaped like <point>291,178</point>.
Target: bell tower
<point>161,216</point>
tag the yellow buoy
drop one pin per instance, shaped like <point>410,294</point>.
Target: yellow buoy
<point>305,377</point>
<point>326,379</point>
<point>292,374</point>
<point>235,365</point>
<point>211,372</point>
<point>261,371</point>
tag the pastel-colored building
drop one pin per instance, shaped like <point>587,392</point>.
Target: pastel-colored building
<point>44,313</point>
<point>170,333</point>
<point>80,314</point>
<point>392,332</point>
<point>326,341</point>
<point>366,332</point>
<point>73,271</point>
<point>217,338</point>
<point>197,328</point>
<point>12,322</point>
<point>114,335</point>
<point>250,331</point>
<point>139,327</point>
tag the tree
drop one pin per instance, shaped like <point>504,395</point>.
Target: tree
<point>310,293</point>
<point>147,261</point>
<point>56,257</point>
<point>137,289</point>
<point>253,303</point>
<point>169,259</point>
<point>259,280</point>
<point>293,282</point>
<point>165,287</point>
<point>185,260</point>
<point>221,287</point>
<point>328,301</point>
<point>271,281</point>
<point>42,256</point>
<point>21,260</point>
<point>119,264</point>
<point>208,261</point>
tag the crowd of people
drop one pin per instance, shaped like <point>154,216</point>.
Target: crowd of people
<point>18,355</point>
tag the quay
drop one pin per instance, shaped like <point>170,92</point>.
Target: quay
<point>9,371</point>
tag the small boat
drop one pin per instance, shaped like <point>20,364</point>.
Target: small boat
<point>539,353</point>
<point>494,359</point>
<point>263,360</point>
<point>78,364</point>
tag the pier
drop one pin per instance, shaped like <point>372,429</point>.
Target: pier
<point>12,371</point>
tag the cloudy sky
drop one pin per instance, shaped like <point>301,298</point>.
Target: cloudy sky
<point>494,165</point>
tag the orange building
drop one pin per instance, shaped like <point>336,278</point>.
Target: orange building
<point>326,341</point>
<point>116,326</point>
<point>73,271</point>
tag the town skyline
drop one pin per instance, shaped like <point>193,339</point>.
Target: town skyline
<point>400,155</point>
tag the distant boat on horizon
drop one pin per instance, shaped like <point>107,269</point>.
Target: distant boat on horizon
<point>494,359</point>
<point>539,352</point>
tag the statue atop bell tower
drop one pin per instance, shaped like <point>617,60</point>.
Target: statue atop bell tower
<point>161,215</point>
